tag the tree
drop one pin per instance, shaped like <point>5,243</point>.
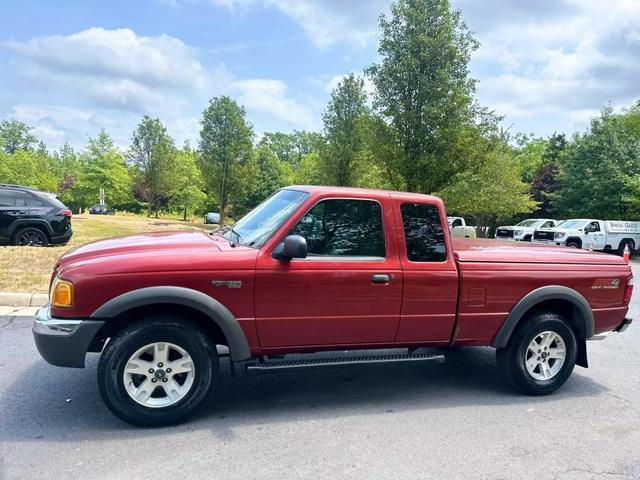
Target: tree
<point>492,192</point>
<point>26,167</point>
<point>153,154</point>
<point>423,88</point>
<point>545,182</point>
<point>16,135</point>
<point>186,193</point>
<point>600,170</point>
<point>105,167</point>
<point>272,174</point>
<point>226,151</point>
<point>291,147</point>
<point>343,135</point>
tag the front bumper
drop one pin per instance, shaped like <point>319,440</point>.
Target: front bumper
<point>63,342</point>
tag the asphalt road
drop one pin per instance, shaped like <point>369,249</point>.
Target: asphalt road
<point>451,420</point>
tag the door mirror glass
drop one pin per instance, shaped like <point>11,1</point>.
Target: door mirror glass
<point>294,246</point>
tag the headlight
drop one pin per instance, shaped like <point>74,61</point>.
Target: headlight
<point>558,235</point>
<point>61,294</point>
<point>517,233</point>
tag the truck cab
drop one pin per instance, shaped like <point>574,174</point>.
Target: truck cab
<point>315,269</point>
<point>459,228</point>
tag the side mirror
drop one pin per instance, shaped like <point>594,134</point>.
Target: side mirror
<point>294,246</point>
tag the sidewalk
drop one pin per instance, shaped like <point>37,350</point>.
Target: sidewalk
<point>13,299</point>
<point>18,311</point>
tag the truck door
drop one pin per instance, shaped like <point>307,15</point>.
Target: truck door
<point>349,288</point>
<point>596,236</point>
<point>429,272</point>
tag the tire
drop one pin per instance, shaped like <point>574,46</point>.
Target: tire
<point>512,360</point>
<point>573,244</point>
<point>632,247</point>
<point>527,238</point>
<point>155,406</point>
<point>31,236</point>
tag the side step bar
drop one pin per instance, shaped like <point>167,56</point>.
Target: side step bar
<point>268,365</point>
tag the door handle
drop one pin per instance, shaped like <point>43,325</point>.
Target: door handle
<point>380,278</point>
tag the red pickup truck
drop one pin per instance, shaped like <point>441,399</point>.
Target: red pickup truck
<point>316,269</point>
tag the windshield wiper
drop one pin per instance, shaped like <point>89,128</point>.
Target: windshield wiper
<point>238,237</point>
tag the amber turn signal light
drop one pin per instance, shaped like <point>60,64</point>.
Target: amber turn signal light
<point>61,293</point>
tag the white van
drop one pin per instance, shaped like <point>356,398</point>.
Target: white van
<point>602,235</point>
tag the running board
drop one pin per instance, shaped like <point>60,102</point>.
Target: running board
<point>268,365</point>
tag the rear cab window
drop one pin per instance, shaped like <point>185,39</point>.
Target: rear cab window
<point>423,234</point>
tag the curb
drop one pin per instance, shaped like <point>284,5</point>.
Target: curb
<point>13,299</point>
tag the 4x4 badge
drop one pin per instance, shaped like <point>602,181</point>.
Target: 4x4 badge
<point>227,283</point>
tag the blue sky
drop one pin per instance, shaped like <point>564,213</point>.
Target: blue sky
<point>70,68</point>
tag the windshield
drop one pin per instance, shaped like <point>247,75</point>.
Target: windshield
<point>573,224</point>
<point>258,225</point>
<point>528,223</point>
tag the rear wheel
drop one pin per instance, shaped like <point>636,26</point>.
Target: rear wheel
<point>540,355</point>
<point>630,243</point>
<point>32,237</point>
<point>157,371</point>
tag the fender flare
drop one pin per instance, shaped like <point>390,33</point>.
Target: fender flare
<point>583,319</point>
<point>218,313</point>
<point>29,222</point>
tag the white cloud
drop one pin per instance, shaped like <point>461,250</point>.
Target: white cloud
<point>268,97</point>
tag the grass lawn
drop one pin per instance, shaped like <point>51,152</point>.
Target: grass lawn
<point>28,269</point>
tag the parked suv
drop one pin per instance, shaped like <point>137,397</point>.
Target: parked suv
<point>101,210</point>
<point>31,217</point>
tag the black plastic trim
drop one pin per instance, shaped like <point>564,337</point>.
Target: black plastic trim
<point>29,222</point>
<point>67,350</point>
<point>238,345</point>
<point>584,321</point>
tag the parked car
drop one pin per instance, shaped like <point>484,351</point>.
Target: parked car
<point>600,235</point>
<point>523,231</point>
<point>459,228</point>
<point>320,268</point>
<point>101,210</point>
<point>31,217</point>
<point>212,218</point>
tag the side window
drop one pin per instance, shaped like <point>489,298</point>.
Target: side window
<point>423,233</point>
<point>594,227</point>
<point>343,227</point>
<point>7,199</point>
<point>33,201</point>
<point>456,223</point>
<point>547,225</point>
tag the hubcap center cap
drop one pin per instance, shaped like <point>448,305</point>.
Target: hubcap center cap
<point>159,374</point>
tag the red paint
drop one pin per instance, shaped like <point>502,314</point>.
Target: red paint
<point>305,305</point>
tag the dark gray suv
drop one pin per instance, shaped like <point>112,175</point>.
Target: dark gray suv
<point>31,217</point>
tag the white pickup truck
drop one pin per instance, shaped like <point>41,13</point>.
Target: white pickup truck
<point>523,231</point>
<point>602,235</point>
<point>459,228</point>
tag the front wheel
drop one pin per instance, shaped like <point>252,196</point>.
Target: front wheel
<point>157,371</point>
<point>540,355</point>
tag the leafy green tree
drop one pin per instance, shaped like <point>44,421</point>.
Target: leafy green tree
<point>343,133</point>
<point>26,167</point>
<point>272,174</point>
<point>600,170</point>
<point>15,136</point>
<point>187,195</point>
<point>291,147</point>
<point>153,154</point>
<point>424,89</point>
<point>545,182</point>
<point>105,167</point>
<point>308,172</point>
<point>489,193</point>
<point>226,152</point>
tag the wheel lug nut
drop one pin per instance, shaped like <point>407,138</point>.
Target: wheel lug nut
<point>160,365</point>
<point>164,379</point>
<point>168,370</point>
<point>151,370</point>
<point>154,380</point>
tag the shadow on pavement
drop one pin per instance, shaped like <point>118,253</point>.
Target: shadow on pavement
<point>52,404</point>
